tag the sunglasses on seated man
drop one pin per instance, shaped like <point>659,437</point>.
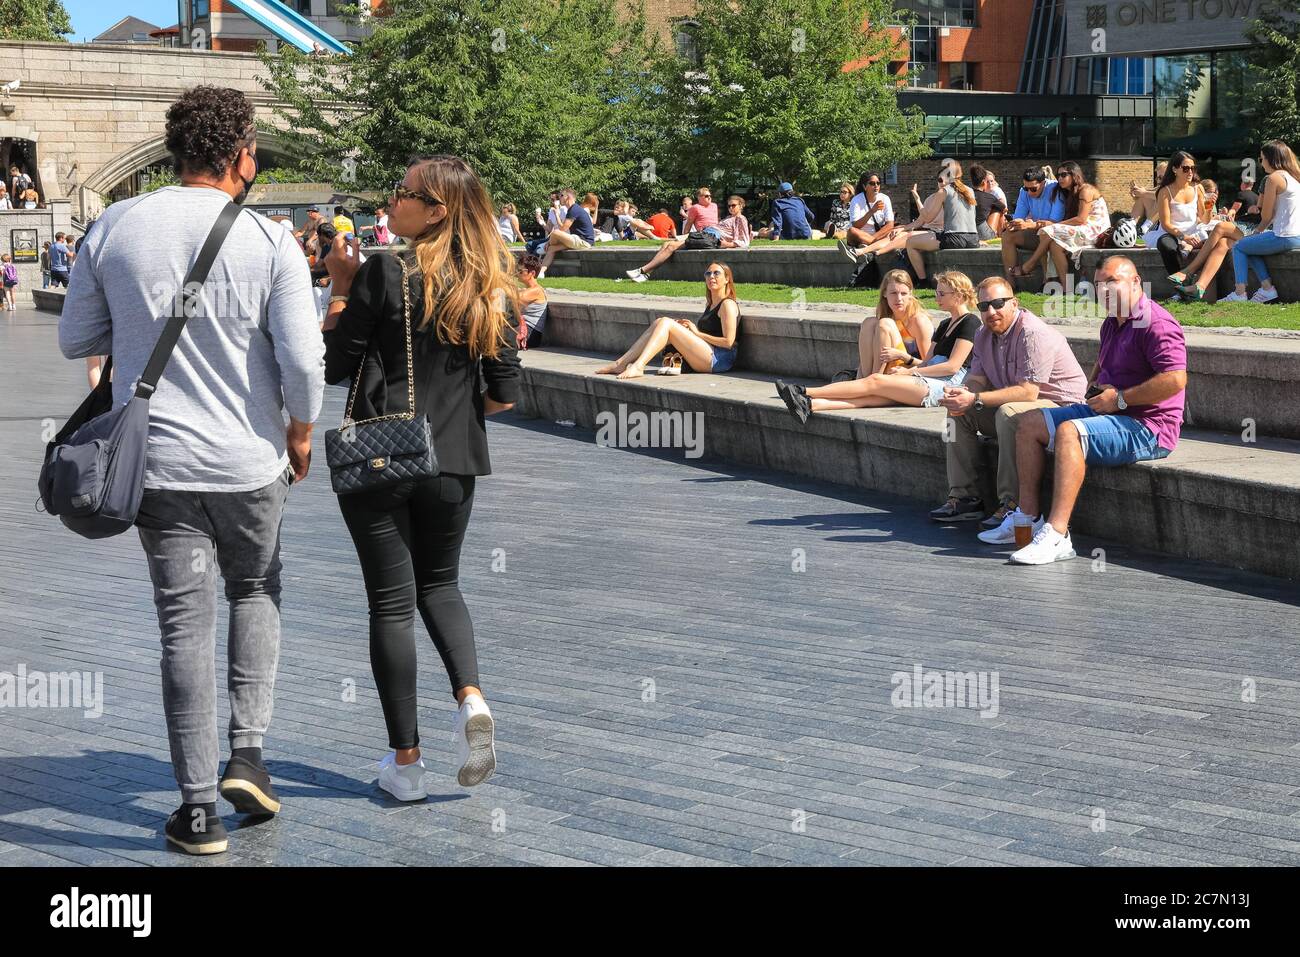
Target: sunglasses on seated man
<point>985,305</point>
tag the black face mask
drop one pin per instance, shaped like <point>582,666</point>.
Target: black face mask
<point>248,183</point>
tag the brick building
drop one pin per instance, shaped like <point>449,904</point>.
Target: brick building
<point>222,25</point>
<point>226,27</point>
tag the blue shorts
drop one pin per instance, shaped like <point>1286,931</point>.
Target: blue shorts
<point>1106,439</point>
<point>723,359</point>
<point>936,386</point>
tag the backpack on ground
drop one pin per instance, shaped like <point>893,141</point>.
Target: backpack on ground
<point>702,240</point>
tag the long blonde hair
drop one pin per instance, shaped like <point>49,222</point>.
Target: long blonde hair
<point>954,170</point>
<point>883,308</point>
<point>468,270</point>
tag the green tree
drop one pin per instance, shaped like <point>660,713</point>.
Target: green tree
<point>796,90</point>
<point>1275,69</point>
<point>34,20</point>
<point>156,177</point>
<point>534,94</point>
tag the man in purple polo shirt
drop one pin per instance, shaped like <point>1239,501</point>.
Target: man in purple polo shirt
<point>1019,363</point>
<point>1134,410</point>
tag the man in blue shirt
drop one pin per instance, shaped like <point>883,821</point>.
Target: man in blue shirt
<point>1040,203</point>
<point>575,231</point>
<point>59,254</point>
<point>791,217</point>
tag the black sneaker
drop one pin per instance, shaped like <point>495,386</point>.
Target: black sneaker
<point>965,509</point>
<point>196,831</point>
<point>994,520</point>
<point>248,787</point>
<point>796,400</point>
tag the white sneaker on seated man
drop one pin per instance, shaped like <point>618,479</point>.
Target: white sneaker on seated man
<point>1134,412</point>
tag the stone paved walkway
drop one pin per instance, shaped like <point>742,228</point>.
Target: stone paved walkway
<point>668,687</point>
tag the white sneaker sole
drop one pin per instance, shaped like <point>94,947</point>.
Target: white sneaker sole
<point>988,539</point>
<point>402,794</point>
<point>1061,557</point>
<point>482,760</point>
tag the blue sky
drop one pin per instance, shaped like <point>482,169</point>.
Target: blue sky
<point>91,17</point>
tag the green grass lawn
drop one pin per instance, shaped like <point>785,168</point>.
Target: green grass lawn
<point>1239,314</point>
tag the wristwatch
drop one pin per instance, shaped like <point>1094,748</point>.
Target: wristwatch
<point>1119,400</point>
<point>979,404</point>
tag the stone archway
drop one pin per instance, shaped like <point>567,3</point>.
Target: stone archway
<point>43,170</point>
<point>154,150</point>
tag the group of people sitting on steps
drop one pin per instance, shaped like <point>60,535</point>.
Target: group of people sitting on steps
<point>998,371</point>
<point>1057,215</point>
<point>1194,234</point>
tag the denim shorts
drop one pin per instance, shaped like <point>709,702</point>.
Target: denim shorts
<point>1106,439</point>
<point>723,359</point>
<point>936,386</point>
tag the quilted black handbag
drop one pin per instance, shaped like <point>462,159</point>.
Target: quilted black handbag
<point>387,449</point>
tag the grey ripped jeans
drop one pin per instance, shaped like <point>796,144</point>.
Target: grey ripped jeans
<point>187,538</point>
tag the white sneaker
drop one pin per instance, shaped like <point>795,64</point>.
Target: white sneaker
<point>1048,546</point>
<point>475,752</point>
<point>1264,295</point>
<point>1234,296</point>
<point>637,275</point>
<point>1005,533</point>
<point>403,781</point>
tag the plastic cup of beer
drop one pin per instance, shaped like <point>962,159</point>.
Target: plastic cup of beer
<point>1023,525</point>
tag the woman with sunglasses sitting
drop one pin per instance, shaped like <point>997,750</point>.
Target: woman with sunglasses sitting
<point>430,333</point>
<point>947,221</point>
<point>1183,220</point>
<point>733,233</point>
<point>1086,218</point>
<point>707,344</point>
<point>907,379</point>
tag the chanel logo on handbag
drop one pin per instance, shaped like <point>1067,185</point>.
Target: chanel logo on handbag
<point>378,463</point>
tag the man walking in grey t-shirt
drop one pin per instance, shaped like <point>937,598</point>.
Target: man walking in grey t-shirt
<point>221,456</point>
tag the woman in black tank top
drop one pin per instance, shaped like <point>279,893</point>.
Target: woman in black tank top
<point>707,345</point>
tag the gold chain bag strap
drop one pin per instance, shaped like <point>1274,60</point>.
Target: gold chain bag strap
<point>385,449</point>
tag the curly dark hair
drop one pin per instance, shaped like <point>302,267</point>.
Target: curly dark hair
<point>529,262</point>
<point>206,127</point>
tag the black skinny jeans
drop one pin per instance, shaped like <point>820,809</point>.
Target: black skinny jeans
<point>1170,254</point>
<point>408,538</point>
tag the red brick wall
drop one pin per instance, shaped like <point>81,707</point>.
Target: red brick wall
<point>996,43</point>
<point>234,44</point>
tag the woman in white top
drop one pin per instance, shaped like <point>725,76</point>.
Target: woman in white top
<point>5,202</point>
<point>508,224</point>
<point>1180,203</point>
<point>1279,224</point>
<point>1223,234</point>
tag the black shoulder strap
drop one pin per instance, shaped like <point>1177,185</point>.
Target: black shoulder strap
<point>194,280</point>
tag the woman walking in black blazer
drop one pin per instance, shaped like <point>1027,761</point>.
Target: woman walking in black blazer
<point>408,536</point>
